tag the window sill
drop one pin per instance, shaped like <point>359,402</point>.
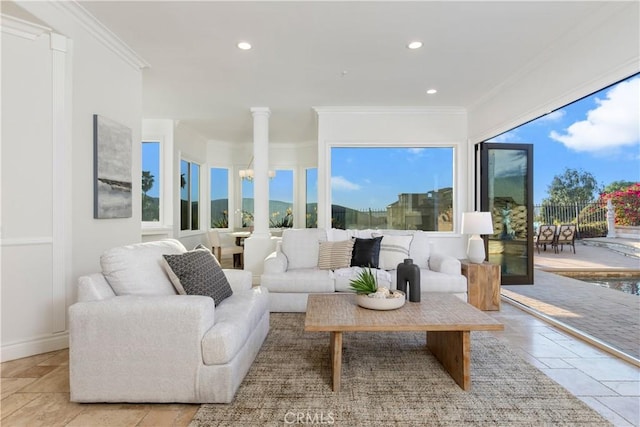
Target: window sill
<point>154,230</point>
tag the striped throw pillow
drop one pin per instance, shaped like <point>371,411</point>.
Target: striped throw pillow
<point>393,251</point>
<point>334,255</point>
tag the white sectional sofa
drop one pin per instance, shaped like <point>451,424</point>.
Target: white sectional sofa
<point>133,339</point>
<point>292,272</point>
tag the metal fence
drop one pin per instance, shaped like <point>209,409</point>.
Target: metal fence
<point>590,217</point>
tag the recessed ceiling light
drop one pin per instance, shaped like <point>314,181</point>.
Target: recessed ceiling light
<point>415,45</point>
<point>432,91</point>
<point>244,45</point>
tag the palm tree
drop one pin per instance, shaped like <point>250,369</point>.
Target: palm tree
<point>147,182</point>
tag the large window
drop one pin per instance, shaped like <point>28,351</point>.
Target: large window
<point>151,181</point>
<point>402,188</point>
<point>311,206</point>
<point>246,212</point>
<point>189,195</point>
<point>281,199</point>
<point>219,198</point>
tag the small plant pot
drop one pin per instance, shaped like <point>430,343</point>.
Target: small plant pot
<point>381,303</point>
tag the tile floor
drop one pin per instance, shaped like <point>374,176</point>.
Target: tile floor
<point>607,384</point>
<point>35,390</point>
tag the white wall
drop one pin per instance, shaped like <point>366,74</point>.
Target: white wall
<point>398,127</point>
<point>605,51</point>
<point>50,104</point>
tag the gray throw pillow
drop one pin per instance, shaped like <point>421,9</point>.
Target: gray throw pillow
<point>198,273</point>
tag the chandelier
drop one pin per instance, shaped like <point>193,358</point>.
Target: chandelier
<point>247,173</point>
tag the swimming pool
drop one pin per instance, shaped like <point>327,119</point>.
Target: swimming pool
<point>629,285</point>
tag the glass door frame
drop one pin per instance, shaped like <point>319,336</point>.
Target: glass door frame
<point>482,185</point>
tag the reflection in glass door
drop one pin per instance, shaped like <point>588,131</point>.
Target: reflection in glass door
<point>506,190</point>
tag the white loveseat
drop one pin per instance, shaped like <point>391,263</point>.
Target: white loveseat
<point>291,273</point>
<point>133,339</point>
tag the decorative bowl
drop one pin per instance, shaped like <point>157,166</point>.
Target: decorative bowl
<point>390,303</point>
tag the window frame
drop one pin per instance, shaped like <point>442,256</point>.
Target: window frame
<point>454,146</point>
<point>229,198</point>
<point>190,231</point>
<point>154,225</point>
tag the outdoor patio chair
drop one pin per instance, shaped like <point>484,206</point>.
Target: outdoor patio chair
<point>566,236</point>
<point>546,236</point>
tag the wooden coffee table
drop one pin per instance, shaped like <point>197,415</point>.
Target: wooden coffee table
<point>446,319</point>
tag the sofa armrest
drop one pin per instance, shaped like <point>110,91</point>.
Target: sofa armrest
<point>445,264</point>
<point>276,262</point>
<point>94,287</point>
<point>140,339</point>
<point>240,280</point>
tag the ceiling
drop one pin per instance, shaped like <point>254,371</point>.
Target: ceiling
<point>311,54</point>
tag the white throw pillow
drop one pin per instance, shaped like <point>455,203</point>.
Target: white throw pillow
<point>138,269</point>
<point>393,250</point>
<point>301,247</point>
<point>420,249</point>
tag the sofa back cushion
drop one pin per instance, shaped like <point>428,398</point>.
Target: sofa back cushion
<point>138,269</point>
<point>393,250</point>
<point>420,249</point>
<point>301,246</point>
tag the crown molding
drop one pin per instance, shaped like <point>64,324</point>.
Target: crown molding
<point>21,28</point>
<point>103,34</point>
<point>389,110</point>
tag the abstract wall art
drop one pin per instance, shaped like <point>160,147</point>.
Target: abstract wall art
<point>112,169</point>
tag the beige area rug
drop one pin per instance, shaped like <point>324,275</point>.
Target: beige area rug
<point>390,379</point>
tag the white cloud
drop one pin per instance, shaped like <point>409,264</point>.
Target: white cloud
<point>341,183</point>
<point>614,123</point>
<point>553,116</point>
<point>510,136</point>
<point>418,151</point>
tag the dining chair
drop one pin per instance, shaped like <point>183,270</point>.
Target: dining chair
<point>224,244</point>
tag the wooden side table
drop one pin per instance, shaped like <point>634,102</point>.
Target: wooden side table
<point>483,284</point>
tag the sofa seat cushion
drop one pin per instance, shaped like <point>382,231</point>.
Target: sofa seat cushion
<point>433,281</point>
<point>304,280</point>
<point>234,320</point>
<point>343,277</point>
<point>138,269</point>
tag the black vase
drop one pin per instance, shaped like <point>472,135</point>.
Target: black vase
<point>409,273</point>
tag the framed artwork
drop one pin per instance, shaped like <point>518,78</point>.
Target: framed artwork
<point>111,169</point>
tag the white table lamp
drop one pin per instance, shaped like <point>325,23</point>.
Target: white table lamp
<point>476,223</point>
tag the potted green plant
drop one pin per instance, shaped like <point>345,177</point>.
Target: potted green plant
<point>369,295</point>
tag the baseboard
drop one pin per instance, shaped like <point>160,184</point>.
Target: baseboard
<point>31,347</point>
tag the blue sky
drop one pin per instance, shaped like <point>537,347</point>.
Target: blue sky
<point>599,134</point>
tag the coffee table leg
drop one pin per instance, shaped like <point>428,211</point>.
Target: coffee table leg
<point>453,350</point>
<point>336,359</point>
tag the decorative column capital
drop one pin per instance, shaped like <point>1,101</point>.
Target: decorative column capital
<point>260,111</point>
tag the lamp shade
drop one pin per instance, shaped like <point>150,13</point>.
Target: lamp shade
<point>477,223</point>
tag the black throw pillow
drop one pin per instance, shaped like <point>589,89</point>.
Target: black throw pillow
<point>198,273</point>
<point>366,252</point>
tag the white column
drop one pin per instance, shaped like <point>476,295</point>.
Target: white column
<point>259,245</point>
<point>261,171</point>
<point>611,220</point>
<point>60,181</point>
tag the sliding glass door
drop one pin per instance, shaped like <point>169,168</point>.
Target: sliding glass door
<point>505,177</point>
